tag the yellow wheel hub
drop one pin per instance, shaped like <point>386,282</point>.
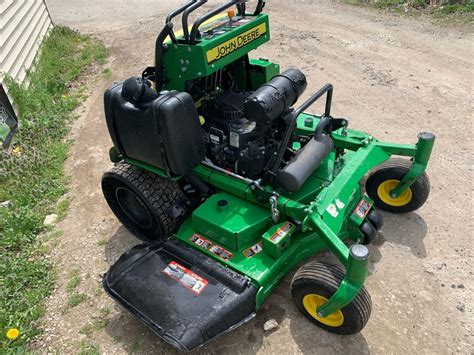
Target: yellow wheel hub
<point>312,301</point>
<point>386,187</point>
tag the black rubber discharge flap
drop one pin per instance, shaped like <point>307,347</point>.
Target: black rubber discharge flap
<point>184,296</point>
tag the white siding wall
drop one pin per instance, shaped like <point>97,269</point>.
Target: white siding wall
<point>23,25</point>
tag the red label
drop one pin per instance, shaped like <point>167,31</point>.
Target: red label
<point>281,232</point>
<point>212,248</point>
<point>221,252</point>
<point>253,250</point>
<point>362,209</point>
<point>186,277</point>
<point>200,241</point>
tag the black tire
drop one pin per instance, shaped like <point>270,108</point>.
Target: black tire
<point>396,169</point>
<point>322,279</point>
<point>142,200</point>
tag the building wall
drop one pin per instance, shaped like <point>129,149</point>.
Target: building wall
<point>23,25</point>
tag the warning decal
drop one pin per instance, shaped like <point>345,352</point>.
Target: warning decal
<point>281,232</point>
<point>186,277</point>
<point>221,252</point>
<point>362,209</point>
<point>253,250</point>
<point>200,241</point>
<point>212,248</point>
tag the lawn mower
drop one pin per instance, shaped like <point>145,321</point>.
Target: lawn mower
<point>232,185</point>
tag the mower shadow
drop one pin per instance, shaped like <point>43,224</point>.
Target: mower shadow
<point>408,230</point>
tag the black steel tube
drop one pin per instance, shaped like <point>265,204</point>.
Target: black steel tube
<point>293,117</point>
<point>206,17</point>
<point>259,8</point>
<point>242,8</point>
<point>186,13</point>
<point>175,13</point>
<point>325,89</point>
<point>285,141</point>
<point>322,125</point>
<point>159,49</point>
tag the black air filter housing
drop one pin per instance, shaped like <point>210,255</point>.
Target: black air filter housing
<point>271,100</point>
<point>165,133</point>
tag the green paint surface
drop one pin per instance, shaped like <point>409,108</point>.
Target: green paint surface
<point>184,62</point>
<point>235,225</point>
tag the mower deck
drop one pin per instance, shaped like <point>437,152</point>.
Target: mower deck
<point>185,297</point>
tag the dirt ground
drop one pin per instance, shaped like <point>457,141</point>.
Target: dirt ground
<point>394,76</point>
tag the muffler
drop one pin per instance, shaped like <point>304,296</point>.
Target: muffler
<point>307,160</point>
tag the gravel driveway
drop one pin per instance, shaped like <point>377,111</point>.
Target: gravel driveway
<point>394,76</point>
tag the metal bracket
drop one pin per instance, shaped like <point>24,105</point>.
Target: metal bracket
<point>420,162</point>
<point>337,123</point>
<point>356,273</point>
<point>274,209</point>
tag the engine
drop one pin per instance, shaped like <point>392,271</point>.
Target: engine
<point>234,142</point>
<point>242,129</point>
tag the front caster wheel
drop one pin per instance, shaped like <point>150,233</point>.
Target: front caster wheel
<point>313,284</point>
<point>386,177</point>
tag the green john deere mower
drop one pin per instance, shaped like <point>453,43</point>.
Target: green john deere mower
<point>231,185</point>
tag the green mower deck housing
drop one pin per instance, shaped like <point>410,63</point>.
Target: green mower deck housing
<point>255,226</point>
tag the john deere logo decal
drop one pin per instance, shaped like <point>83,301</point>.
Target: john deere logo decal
<point>235,43</point>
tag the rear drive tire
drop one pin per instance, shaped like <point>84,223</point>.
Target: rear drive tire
<point>314,283</point>
<point>386,176</point>
<point>142,200</point>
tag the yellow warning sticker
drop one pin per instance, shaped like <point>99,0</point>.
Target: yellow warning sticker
<point>253,250</point>
<point>233,44</point>
<point>281,232</point>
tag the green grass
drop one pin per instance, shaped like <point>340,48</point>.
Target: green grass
<point>75,299</point>
<point>107,73</point>
<point>33,179</point>
<point>456,9</point>
<point>73,282</point>
<point>88,348</point>
<point>98,323</point>
<point>102,242</point>
<point>62,208</point>
<point>94,326</point>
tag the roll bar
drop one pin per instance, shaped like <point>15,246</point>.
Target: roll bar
<point>159,49</point>
<point>259,8</point>
<point>186,13</point>
<point>241,7</point>
<point>175,13</point>
<point>186,10</point>
<point>206,17</point>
